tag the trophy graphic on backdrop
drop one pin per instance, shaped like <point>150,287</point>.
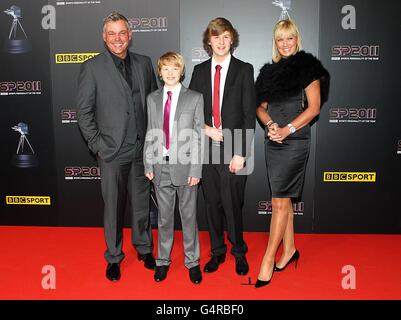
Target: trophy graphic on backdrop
<point>22,159</point>
<point>285,5</point>
<point>16,44</point>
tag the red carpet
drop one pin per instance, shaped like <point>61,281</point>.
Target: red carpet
<point>77,255</point>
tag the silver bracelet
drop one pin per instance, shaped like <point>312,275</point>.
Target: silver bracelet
<point>269,123</point>
<point>292,128</point>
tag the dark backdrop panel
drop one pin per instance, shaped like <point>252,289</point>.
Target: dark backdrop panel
<point>358,129</point>
<point>359,126</point>
<point>155,26</point>
<point>25,96</point>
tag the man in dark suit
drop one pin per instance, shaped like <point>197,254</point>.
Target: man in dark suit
<point>227,85</point>
<point>112,90</point>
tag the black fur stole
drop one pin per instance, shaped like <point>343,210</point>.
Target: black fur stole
<point>286,78</point>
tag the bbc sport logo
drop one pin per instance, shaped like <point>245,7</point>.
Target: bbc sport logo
<point>28,200</point>
<point>349,177</point>
<point>63,58</point>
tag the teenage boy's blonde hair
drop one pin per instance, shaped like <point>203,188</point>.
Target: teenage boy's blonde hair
<point>173,58</point>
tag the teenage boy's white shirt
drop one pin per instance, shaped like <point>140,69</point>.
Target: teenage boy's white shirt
<point>223,76</point>
<point>174,100</point>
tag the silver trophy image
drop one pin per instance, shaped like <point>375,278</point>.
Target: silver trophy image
<point>285,5</point>
<point>15,43</point>
<point>23,158</point>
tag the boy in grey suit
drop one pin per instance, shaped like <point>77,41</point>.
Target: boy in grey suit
<point>173,161</point>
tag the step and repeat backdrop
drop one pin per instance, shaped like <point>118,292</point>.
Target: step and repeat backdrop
<point>358,163</point>
<point>28,162</point>
<point>48,176</point>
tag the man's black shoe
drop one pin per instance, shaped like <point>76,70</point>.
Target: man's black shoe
<point>161,273</point>
<point>148,259</point>
<point>195,274</point>
<point>214,262</point>
<point>241,266</point>
<point>113,272</point>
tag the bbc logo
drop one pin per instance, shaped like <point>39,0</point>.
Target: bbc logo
<point>349,177</point>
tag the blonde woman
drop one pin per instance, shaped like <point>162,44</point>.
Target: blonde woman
<point>290,92</point>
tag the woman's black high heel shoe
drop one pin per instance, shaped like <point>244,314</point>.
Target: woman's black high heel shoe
<point>294,257</point>
<point>262,283</point>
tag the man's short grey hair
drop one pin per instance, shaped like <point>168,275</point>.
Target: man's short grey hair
<point>114,16</point>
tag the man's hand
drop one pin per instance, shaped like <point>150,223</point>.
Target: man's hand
<point>236,163</point>
<point>193,181</point>
<point>150,175</point>
<point>213,133</point>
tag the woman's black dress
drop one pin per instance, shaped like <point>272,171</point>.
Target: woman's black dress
<point>282,86</point>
